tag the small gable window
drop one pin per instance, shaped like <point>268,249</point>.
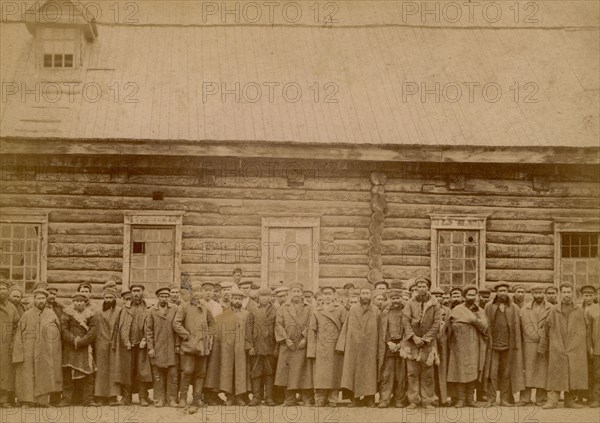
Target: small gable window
<point>59,47</point>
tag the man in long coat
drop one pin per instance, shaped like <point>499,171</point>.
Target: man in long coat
<point>504,356</point>
<point>323,331</point>
<point>565,342</point>
<point>194,324</point>
<point>294,369</point>
<point>533,320</point>
<point>227,370</point>
<point>133,371</point>
<point>9,318</point>
<point>262,351</point>
<point>163,345</point>
<point>78,335</point>
<point>467,334</point>
<point>593,318</point>
<point>392,367</point>
<point>440,370</point>
<point>422,317</point>
<point>106,389</point>
<point>37,353</point>
<point>358,341</point>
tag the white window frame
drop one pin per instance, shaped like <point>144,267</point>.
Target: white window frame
<point>33,216</point>
<point>458,222</point>
<point>312,221</point>
<point>152,218</point>
<point>569,225</point>
<point>42,41</point>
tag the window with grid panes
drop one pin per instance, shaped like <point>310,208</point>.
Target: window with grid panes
<point>290,256</point>
<point>579,258</point>
<point>152,259</point>
<point>59,47</point>
<point>458,257</point>
<point>20,252</point>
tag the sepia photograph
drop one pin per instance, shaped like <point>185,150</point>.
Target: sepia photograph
<point>273,211</point>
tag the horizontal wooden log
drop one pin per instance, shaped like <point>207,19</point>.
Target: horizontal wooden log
<point>519,238</point>
<point>75,216</point>
<point>412,248</point>
<point>405,222</point>
<point>81,228</point>
<point>406,234</point>
<point>345,271</point>
<point>225,232</point>
<point>85,239</point>
<point>405,260</point>
<point>515,225</point>
<point>78,276</point>
<point>86,263</point>
<point>520,263</point>
<point>519,251</point>
<point>82,249</point>
<point>405,272</point>
<point>519,275</point>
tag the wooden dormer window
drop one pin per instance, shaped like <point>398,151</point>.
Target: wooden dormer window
<point>59,47</point>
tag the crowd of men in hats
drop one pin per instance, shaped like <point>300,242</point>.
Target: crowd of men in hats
<point>404,345</point>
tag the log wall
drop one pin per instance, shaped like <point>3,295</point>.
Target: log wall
<point>224,199</point>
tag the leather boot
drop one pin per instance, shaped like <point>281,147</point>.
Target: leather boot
<point>269,390</point>
<point>470,395</point>
<point>460,395</point>
<point>159,392</point>
<point>125,395</point>
<point>256,391</point>
<point>570,401</point>
<point>184,387</point>
<point>552,400</point>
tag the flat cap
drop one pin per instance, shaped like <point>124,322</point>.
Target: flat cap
<point>264,291</point>
<point>227,284</point>
<point>281,289</point>
<point>539,287</point>
<point>164,289</point>
<point>551,288</point>
<point>437,290</point>
<point>381,282</point>
<point>80,296</point>
<point>327,287</point>
<point>456,288</point>
<point>518,286</point>
<point>468,288</point>
<point>40,291</point>
<point>297,285</point>
<point>588,288</point>
<point>500,285</point>
<point>244,283</point>
<point>136,285</point>
<point>84,285</point>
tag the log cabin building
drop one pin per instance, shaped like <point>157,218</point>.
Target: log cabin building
<point>165,144</point>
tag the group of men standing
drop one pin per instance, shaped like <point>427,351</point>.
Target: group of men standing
<point>414,346</point>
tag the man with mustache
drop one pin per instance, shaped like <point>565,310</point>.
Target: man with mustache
<point>551,295</point>
<point>78,335</point>
<point>106,389</point>
<point>323,332</point>
<point>37,353</point>
<point>358,341</point>
<point>226,294</point>
<point>456,296</point>
<point>163,348</point>
<point>593,317</point>
<point>9,318</point>
<point>227,367</point>
<point>564,341</point>
<point>504,357</point>
<point>262,351</point>
<point>519,295</point>
<point>15,295</point>
<point>422,318</point>
<point>294,369</point>
<point>195,325</point>
<point>133,365</point>
<point>392,367</point>
<point>533,320</point>
<point>484,297</point>
<point>467,332</point>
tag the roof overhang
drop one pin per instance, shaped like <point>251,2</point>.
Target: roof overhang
<point>359,152</point>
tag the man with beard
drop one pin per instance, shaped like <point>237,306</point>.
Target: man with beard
<point>392,367</point>
<point>227,370</point>
<point>294,370</point>
<point>106,388</point>
<point>37,353</point>
<point>9,318</point>
<point>593,318</point>
<point>163,348</point>
<point>15,295</point>
<point>262,352</point>
<point>78,335</point>
<point>358,341</point>
<point>519,295</point>
<point>504,356</point>
<point>422,318</point>
<point>441,369</point>
<point>226,294</point>
<point>323,331</point>
<point>379,301</point>
<point>564,342</point>
<point>533,320</point>
<point>194,324</point>
<point>446,299</point>
<point>52,303</point>
<point>484,297</point>
<point>467,332</point>
<point>381,287</point>
<point>86,288</point>
<point>175,294</point>
<point>134,373</point>
<point>551,295</point>
<point>456,297</point>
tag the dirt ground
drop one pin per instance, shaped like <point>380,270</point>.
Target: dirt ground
<point>234,414</point>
